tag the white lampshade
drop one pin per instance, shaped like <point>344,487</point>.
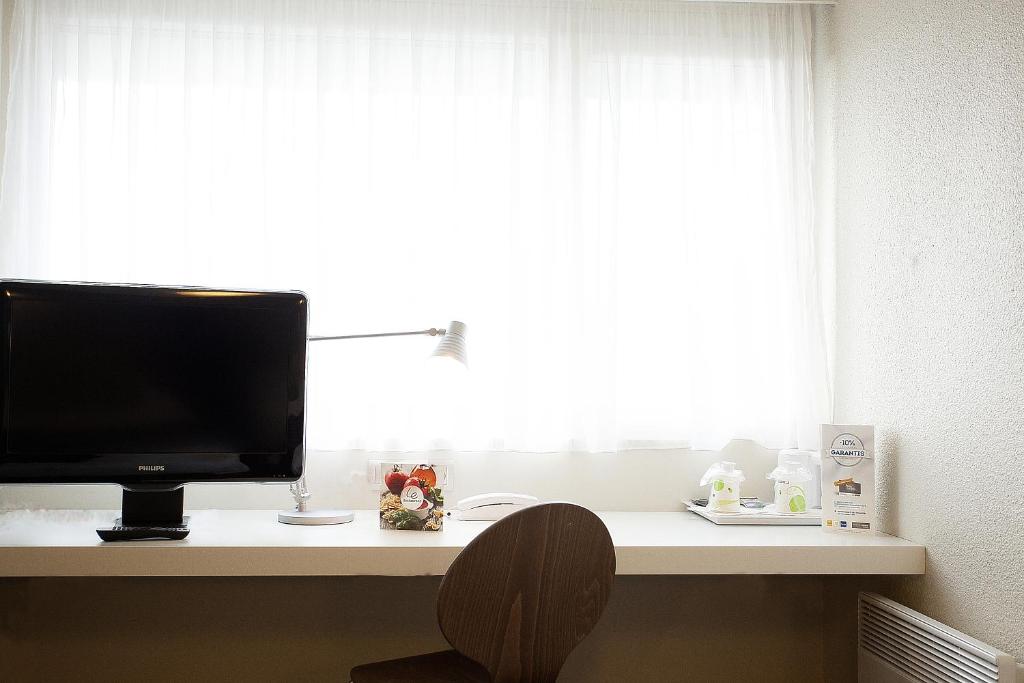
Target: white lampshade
<point>453,343</point>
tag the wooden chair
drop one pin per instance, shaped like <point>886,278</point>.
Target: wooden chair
<point>516,601</point>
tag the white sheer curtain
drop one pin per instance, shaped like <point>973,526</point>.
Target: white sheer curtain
<point>615,196</point>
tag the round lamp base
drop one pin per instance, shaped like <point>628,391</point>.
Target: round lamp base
<point>315,517</point>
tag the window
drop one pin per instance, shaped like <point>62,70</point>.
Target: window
<point>615,195</point>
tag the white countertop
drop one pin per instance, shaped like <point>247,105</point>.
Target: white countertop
<point>253,543</point>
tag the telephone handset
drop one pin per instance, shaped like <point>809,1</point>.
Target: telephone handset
<point>492,506</point>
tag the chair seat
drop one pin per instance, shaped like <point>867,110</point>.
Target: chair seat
<point>437,667</point>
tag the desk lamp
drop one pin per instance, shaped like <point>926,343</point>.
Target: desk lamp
<point>452,345</point>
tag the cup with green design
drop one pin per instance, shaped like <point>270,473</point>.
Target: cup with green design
<point>791,479</point>
<point>723,480</point>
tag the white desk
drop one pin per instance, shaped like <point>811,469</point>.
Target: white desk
<point>253,543</point>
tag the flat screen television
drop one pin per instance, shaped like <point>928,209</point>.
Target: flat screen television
<point>150,387</point>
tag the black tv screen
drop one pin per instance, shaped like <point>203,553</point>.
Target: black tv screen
<point>122,384</point>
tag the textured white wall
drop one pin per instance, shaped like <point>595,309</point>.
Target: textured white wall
<point>930,341</point>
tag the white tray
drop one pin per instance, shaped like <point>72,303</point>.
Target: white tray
<point>765,515</point>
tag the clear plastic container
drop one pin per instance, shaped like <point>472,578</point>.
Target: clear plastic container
<point>811,460</point>
<point>724,481</point>
<point>792,479</point>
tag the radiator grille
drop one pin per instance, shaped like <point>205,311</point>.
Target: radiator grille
<point>922,649</point>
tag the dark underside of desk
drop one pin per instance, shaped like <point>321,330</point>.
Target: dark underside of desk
<point>671,628</point>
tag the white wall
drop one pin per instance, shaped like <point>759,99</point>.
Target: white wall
<point>931,289</point>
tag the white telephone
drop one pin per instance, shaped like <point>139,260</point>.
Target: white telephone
<point>491,506</point>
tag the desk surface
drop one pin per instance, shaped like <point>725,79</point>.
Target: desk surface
<point>253,543</point>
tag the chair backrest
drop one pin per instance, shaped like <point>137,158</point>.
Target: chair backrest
<point>527,590</point>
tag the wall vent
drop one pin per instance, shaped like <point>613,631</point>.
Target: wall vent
<point>899,645</point>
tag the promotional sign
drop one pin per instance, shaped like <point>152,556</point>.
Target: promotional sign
<point>848,477</point>
<point>412,499</point>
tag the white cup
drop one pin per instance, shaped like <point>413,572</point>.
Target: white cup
<point>724,487</point>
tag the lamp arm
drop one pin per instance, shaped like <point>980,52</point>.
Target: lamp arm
<point>433,332</point>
